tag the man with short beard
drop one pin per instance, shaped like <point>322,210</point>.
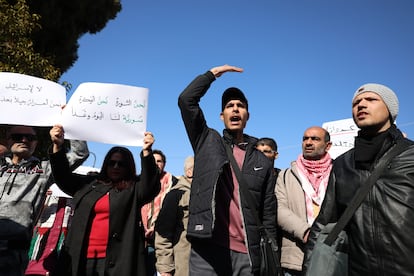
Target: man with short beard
<point>222,230</point>
<point>24,180</point>
<point>300,191</point>
<point>380,230</point>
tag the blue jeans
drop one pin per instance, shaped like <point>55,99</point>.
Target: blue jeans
<point>151,271</point>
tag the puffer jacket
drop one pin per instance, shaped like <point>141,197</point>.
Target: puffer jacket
<point>211,161</point>
<point>380,231</point>
<point>23,190</point>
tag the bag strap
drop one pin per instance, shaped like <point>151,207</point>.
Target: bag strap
<point>243,187</point>
<point>400,146</point>
<point>249,199</point>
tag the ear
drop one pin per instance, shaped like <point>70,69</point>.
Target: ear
<point>248,116</point>
<point>189,172</point>
<point>328,146</point>
<point>221,116</point>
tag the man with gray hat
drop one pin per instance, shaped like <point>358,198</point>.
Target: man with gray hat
<point>222,230</point>
<point>380,230</point>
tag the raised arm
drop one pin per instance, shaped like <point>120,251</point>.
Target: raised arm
<point>61,167</point>
<point>78,152</point>
<point>149,185</point>
<point>189,100</point>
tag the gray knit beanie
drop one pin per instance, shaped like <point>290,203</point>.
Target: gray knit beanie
<point>387,95</point>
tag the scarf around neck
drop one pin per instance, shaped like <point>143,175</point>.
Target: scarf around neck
<point>314,175</point>
<point>315,170</point>
<point>367,148</point>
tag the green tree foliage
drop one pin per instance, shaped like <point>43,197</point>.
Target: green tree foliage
<point>40,38</point>
<point>64,22</point>
<point>17,50</point>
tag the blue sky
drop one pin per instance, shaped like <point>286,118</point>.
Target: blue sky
<point>302,61</point>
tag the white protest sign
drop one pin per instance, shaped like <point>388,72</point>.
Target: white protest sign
<point>107,113</point>
<point>343,134</point>
<point>27,100</point>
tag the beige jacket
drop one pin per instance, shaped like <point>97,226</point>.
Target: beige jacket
<point>291,217</point>
<point>172,248</point>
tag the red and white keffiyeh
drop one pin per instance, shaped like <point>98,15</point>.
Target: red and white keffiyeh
<point>314,176</point>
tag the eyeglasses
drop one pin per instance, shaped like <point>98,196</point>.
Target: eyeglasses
<point>118,163</point>
<point>268,151</point>
<point>18,137</point>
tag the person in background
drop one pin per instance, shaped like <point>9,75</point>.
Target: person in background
<point>269,148</point>
<point>172,249</point>
<point>49,232</point>
<point>3,150</point>
<point>380,231</point>
<point>24,181</point>
<point>222,229</point>
<point>300,191</point>
<point>106,236</point>
<point>150,211</point>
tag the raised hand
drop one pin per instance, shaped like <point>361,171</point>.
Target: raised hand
<point>219,70</point>
<point>148,142</point>
<point>57,135</point>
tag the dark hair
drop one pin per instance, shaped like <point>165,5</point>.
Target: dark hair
<point>268,142</point>
<point>159,152</point>
<point>327,136</point>
<point>127,157</point>
<point>233,93</point>
<point>10,128</point>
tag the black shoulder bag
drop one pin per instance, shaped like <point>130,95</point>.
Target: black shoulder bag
<point>329,256</point>
<point>269,258</point>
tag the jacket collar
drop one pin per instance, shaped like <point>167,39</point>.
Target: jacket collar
<point>230,140</point>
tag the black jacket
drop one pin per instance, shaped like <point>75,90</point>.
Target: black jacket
<point>380,232</point>
<point>125,253</point>
<point>211,161</point>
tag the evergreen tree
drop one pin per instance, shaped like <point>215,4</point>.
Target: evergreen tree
<point>40,38</point>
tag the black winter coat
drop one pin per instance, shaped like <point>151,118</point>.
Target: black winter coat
<point>211,161</point>
<point>125,253</point>
<point>380,231</point>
